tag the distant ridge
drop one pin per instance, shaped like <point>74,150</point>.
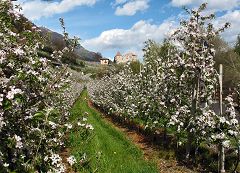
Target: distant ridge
<point>57,43</point>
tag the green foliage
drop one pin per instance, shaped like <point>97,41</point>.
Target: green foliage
<point>69,58</point>
<point>97,71</point>
<point>135,66</point>
<point>230,60</point>
<point>237,46</point>
<point>154,51</point>
<point>81,63</point>
<point>46,54</point>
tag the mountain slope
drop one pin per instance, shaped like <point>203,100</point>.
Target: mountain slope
<point>57,43</point>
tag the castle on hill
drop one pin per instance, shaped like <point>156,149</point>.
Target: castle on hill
<point>119,58</point>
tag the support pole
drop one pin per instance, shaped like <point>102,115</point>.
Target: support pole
<point>221,154</point>
<point>220,92</point>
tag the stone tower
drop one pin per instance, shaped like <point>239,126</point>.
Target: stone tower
<point>118,58</point>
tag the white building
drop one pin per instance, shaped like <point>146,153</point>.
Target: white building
<point>104,61</point>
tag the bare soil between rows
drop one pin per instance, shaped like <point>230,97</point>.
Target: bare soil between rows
<point>64,155</point>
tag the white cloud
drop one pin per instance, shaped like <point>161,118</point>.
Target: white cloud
<point>117,2</point>
<point>130,8</point>
<point>231,14</point>
<point>223,4</point>
<point>36,9</point>
<point>131,39</point>
<point>179,3</point>
<point>231,33</point>
<point>216,5</point>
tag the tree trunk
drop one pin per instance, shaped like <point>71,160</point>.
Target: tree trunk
<point>195,96</point>
<point>196,152</point>
<point>165,136</point>
<point>221,156</point>
<point>188,146</point>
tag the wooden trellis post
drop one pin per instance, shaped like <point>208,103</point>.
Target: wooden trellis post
<point>221,154</point>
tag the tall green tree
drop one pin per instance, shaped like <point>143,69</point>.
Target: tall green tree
<point>237,45</point>
<point>227,56</point>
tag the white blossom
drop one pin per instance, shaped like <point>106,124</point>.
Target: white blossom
<point>18,140</point>
<point>71,160</point>
<point>5,165</point>
<point>13,92</point>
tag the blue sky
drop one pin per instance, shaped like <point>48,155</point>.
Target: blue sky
<point>108,26</point>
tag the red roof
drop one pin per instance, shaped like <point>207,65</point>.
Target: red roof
<point>118,54</point>
<point>104,59</point>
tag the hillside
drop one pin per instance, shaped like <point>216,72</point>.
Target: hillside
<point>57,43</point>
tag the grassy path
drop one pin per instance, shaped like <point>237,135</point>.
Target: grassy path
<point>109,150</point>
<point>164,158</point>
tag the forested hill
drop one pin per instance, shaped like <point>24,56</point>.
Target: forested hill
<point>56,42</point>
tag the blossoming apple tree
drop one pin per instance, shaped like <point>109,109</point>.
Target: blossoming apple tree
<point>175,87</point>
<point>33,96</point>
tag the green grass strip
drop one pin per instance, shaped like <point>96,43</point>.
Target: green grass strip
<point>108,150</point>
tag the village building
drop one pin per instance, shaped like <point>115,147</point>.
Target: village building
<point>130,57</point>
<point>119,58</point>
<point>104,61</point>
